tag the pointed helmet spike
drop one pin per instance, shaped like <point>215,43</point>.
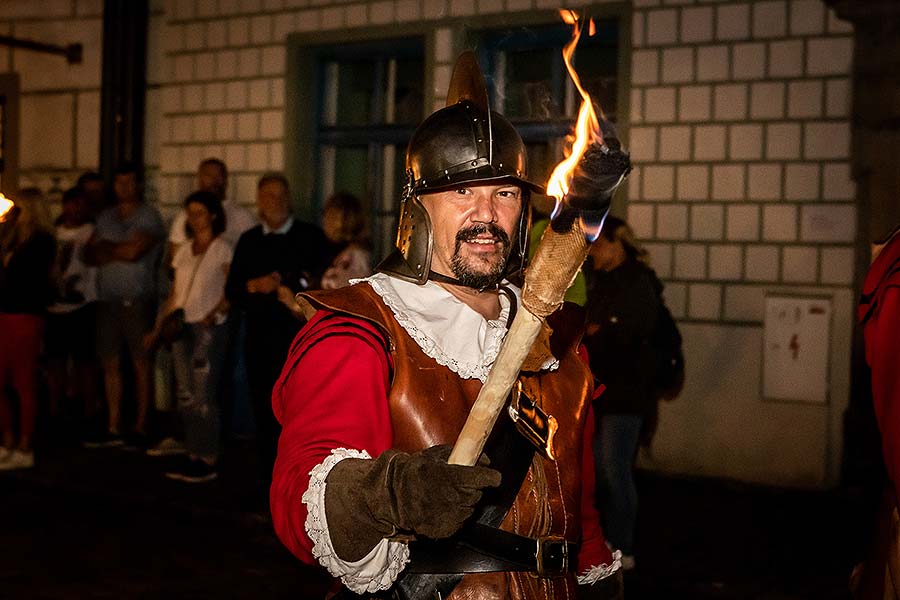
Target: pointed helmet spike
<point>467,83</point>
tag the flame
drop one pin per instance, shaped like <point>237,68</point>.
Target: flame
<point>6,206</point>
<point>587,127</point>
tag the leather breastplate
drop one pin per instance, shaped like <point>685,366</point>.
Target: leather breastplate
<point>429,404</point>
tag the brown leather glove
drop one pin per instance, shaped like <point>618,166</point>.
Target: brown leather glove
<point>367,500</point>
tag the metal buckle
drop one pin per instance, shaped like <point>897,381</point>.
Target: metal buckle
<point>533,423</point>
<point>545,552</point>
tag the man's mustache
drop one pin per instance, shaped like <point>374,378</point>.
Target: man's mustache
<point>470,233</point>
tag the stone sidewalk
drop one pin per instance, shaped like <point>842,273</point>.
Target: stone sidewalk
<point>107,524</point>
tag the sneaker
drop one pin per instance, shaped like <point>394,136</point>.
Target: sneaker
<point>17,459</point>
<point>195,471</point>
<point>106,439</point>
<point>167,447</point>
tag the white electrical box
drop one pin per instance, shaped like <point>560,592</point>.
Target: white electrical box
<point>796,340</point>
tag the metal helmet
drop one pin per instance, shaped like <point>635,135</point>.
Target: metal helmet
<point>460,144</point>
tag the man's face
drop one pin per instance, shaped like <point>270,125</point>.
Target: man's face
<point>211,178</point>
<point>272,204</point>
<point>474,228</point>
<point>125,186</point>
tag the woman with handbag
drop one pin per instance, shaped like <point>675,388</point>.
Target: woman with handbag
<point>192,321</point>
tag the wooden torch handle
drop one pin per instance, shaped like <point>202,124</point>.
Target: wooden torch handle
<point>556,262</point>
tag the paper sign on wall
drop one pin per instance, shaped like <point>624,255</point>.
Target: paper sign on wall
<point>795,349</point>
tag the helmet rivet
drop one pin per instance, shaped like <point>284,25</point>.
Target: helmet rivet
<point>474,162</point>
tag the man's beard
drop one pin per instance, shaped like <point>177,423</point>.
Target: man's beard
<point>465,272</point>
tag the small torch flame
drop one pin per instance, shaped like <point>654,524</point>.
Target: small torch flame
<point>586,132</point>
<point>6,207</point>
<point>587,127</point>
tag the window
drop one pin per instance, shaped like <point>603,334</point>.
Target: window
<point>529,84</point>
<point>370,102</point>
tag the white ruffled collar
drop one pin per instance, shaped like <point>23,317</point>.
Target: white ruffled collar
<point>456,337</point>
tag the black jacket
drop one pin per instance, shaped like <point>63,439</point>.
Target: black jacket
<point>300,256</point>
<point>625,303</point>
<point>25,282</point>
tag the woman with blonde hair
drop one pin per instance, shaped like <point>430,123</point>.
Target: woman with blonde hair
<point>27,254</point>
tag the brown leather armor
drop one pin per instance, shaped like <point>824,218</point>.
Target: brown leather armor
<point>429,404</point>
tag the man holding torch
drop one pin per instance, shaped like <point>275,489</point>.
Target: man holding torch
<point>380,383</point>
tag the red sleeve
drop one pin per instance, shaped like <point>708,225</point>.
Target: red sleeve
<point>883,356</point>
<point>594,550</point>
<point>331,394</point>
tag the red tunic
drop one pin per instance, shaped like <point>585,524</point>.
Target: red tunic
<point>879,313</point>
<point>333,393</point>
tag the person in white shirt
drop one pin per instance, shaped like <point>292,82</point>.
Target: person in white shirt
<point>212,176</point>
<point>197,300</point>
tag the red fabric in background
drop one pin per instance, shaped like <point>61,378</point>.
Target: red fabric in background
<point>21,344</point>
<point>879,313</point>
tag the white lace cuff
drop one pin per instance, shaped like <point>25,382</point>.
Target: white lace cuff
<point>376,571</point>
<point>598,572</point>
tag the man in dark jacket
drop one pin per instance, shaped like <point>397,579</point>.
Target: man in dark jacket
<point>272,262</point>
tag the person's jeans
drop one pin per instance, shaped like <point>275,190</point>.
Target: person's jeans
<point>615,448</point>
<point>198,359</point>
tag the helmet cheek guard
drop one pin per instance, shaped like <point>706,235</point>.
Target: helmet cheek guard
<point>414,241</point>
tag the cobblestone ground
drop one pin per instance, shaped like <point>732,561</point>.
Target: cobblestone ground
<point>105,524</point>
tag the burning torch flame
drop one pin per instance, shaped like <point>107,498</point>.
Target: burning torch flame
<point>6,206</point>
<point>587,127</point>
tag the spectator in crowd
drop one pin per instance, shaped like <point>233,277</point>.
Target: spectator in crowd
<point>623,303</point>
<point>72,322</point>
<point>212,176</point>
<point>344,224</point>
<point>91,183</point>
<point>27,250</point>
<point>201,269</point>
<point>272,262</point>
<point>126,248</point>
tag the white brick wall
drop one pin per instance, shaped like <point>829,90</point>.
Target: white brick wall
<point>704,301</point>
<point>675,143</point>
<point>726,262</point>
<point>59,103</point>
<point>765,203</point>
<point>799,264</point>
<point>690,261</point>
<point>693,182</point>
<point>761,263</point>
<point>707,221</point>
